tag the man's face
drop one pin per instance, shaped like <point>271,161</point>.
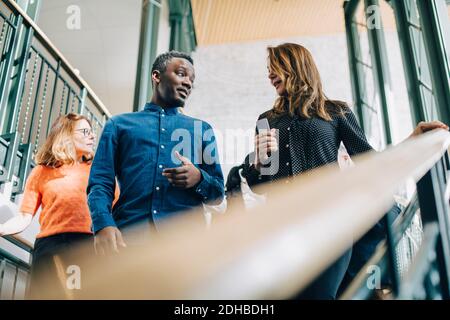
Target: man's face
<point>175,84</point>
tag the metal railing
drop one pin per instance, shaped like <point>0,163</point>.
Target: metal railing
<point>408,238</point>
<point>37,84</point>
<point>14,268</point>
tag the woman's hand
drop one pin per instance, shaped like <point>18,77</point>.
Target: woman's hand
<point>265,143</point>
<point>427,126</point>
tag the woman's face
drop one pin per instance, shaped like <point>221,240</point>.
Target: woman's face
<point>84,138</point>
<point>276,81</point>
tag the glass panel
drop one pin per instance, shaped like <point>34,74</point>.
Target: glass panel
<point>422,64</point>
<point>364,43</point>
<point>421,56</point>
<point>372,109</point>
<point>430,104</point>
<point>371,106</point>
<point>412,12</point>
<point>400,109</point>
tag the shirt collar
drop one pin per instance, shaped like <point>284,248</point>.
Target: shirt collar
<point>154,107</point>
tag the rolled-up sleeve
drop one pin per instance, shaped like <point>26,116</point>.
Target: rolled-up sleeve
<point>101,186</point>
<point>211,188</point>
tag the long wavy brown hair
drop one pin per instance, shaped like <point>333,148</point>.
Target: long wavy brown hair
<point>59,148</point>
<point>304,96</point>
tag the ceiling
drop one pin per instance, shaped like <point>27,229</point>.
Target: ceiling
<point>226,21</point>
<point>104,49</point>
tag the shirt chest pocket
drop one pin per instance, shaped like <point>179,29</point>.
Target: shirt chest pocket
<point>139,146</point>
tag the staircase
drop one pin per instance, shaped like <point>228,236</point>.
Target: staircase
<point>37,84</point>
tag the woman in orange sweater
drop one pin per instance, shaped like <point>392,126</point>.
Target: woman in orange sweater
<point>57,185</point>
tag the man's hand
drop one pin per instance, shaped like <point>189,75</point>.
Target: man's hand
<point>427,126</point>
<point>186,176</point>
<point>108,240</point>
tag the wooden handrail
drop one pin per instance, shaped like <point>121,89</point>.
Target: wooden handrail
<point>45,41</point>
<point>272,251</point>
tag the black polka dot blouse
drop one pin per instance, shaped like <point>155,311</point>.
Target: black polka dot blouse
<point>305,144</point>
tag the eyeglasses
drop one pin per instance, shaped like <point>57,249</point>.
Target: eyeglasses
<point>86,132</point>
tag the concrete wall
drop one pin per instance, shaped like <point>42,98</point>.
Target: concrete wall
<point>105,47</point>
<point>232,87</point>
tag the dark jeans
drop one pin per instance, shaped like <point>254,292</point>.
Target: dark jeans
<point>365,248</point>
<point>51,258</point>
<point>326,286</point>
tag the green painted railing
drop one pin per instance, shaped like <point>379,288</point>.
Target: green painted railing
<point>37,84</point>
<point>420,27</point>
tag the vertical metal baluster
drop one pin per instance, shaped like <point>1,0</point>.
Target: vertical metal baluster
<point>394,271</point>
<point>2,35</point>
<point>5,37</point>
<point>62,99</point>
<point>72,107</point>
<point>35,104</point>
<point>68,98</point>
<point>77,109</point>
<point>95,126</point>
<point>434,208</point>
<point>16,126</point>
<point>52,103</point>
<point>82,104</point>
<point>30,93</point>
<point>8,50</point>
<point>41,112</point>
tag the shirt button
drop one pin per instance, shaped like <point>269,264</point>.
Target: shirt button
<point>287,163</point>
<point>163,129</point>
<point>160,166</point>
<point>155,212</point>
<point>199,190</point>
<point>162,115</point>
<point>157,188</point>
<point>289,128</point>
<point>162,146</point>
<point>287,146</point>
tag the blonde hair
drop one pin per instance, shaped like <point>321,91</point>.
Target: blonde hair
<point>295,66</point>
<point>59,148</point>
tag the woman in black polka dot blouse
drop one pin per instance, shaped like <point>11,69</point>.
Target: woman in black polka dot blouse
<point>306,132</point>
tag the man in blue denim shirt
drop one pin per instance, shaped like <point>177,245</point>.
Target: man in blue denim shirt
<point>164,161</point>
